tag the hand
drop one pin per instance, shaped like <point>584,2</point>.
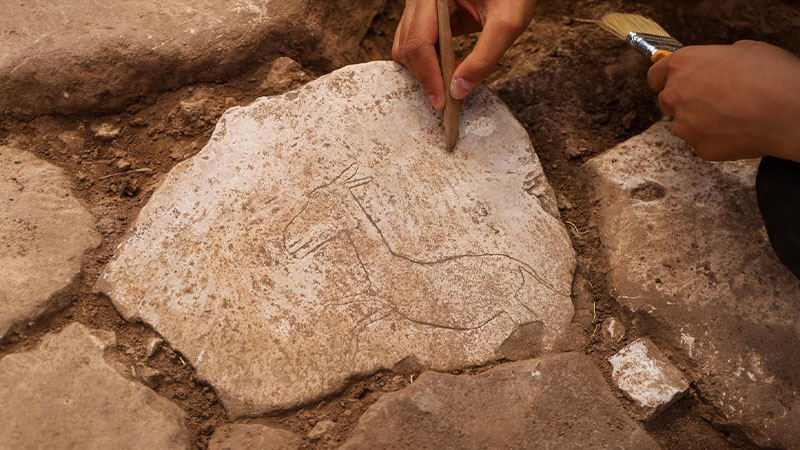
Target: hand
<point>502,21</point>
<point>732,101</point>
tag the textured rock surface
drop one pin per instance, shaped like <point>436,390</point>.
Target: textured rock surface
<point>613,330</point>
<point>325,234</point>
<point>644,372</point>
<point>557,401</point>
<point>44,232</point>
<point>690,257</point>
<point>321,429</point>
<point>69,56</point>
<point>64,394</point>
<point>253,437</point>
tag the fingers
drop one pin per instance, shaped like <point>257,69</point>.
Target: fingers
<point>497,36</point>
<point>667,102</point>
<point>414,44</point>
<point>657,75</point>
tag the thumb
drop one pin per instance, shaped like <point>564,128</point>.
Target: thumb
<point>496,38</point>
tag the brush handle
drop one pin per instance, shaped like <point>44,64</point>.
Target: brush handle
<point>659,55</point>
<point>447,56</point>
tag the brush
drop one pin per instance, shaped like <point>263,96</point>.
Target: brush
<point>641,33</point>
<point>447,57</point>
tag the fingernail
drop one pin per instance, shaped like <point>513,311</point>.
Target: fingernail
<point>436,101</point>
<point>460,88</point>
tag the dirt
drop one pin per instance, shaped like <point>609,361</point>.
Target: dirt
<point>576,91</point>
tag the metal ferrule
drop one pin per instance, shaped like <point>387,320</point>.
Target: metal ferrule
<point>649,44</point>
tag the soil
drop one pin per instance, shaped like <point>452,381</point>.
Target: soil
<point>576,91</point>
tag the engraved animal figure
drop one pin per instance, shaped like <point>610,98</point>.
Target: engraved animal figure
<point>459,292</point>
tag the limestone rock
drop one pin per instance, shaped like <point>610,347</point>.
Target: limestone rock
<point>44,232</point>
<point>646,375</point>
<point>64,394</point>
<point>326,233</point>
<point>557,401</point>
<point>251,436</point>
<point>322,428</point>
<point>688,253</point>
<point>106,131</point>
<point>153,346</point>
<point>68,56</point>
<point>613,330</point>
<point>284,74</point>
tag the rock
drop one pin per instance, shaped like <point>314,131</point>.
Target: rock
<point>647,376</point>
<point>557,401</point>
<point>67,384</point>
<point>628,119</point>
<point>123,165</point>
<point>152,346</point>
<point>322,428</point>
<point>247,436</point>
<point>688,253</point>
<point>193,109</point>
<point>138,122</point>
<point>284,74</point>
<point>106,131</point>
<point>296,251</point>
<point>64,58</point>
<point>72,141</point>
<point>149,375</point>
<point>44,233</point>
<point>613,330</point>
<point>582,296</point>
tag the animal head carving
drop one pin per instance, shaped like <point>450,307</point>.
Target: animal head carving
<point>329,210</point>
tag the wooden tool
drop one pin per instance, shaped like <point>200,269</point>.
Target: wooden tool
<point>641,33</point>
<point>447,59</point>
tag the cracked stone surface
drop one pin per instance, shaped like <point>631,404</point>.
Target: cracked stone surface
<point>64,394</point>
<point>557,401</point>
<point>251,436</point>
<point>70,56</point>
<point>644,372</point>
<point>44,233</point>
<point>325,234</point>
<point>689,256</point>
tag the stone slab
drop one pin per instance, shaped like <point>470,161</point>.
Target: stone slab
<point>64,394</point>
<point>646,375</point>
<point>251,436</point>
<point>557,401</point>
<point>44,233</point>
<point>326,234</point>
<point>72,56</point>
<point>690,259</point>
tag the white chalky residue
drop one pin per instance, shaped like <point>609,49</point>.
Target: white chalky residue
<point>633,367</point>
<point>649,379</point>
<point>688,342</point>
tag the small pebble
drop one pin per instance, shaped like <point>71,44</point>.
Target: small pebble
<point>322,428</point>
<point>138,122</point>
<point>106,131</point>
<point>628,119</point>
<point>613,330</point>
<point>153,345</point>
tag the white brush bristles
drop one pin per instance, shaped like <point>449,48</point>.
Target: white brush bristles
<point>621,25</point>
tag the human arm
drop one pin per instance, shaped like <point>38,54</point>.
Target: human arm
<point>732,101</point>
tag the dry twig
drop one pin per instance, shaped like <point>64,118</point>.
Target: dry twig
<point>143,169</point>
